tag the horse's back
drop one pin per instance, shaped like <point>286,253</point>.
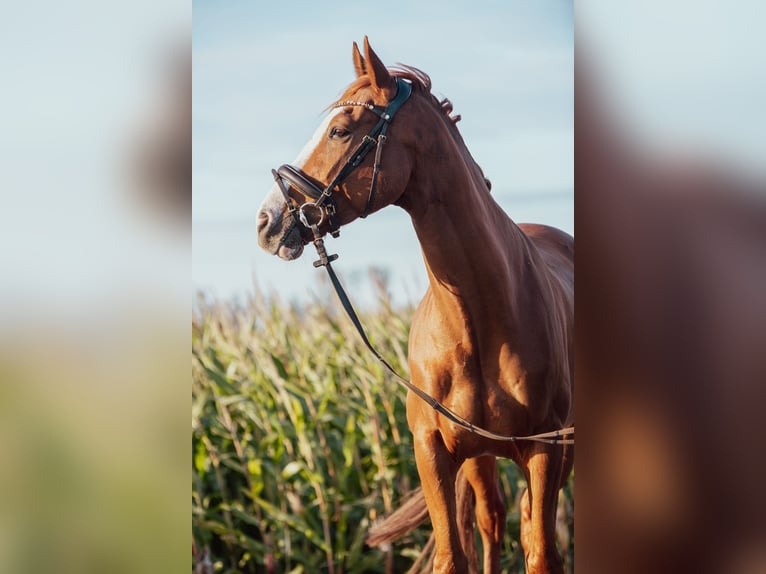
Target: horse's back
<point>556,248</point>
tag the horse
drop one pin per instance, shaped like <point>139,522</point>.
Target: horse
<point>492,337</point>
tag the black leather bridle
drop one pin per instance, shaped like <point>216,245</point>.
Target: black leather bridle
<point>312,213</point>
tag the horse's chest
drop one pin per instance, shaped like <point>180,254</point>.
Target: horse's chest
<point>461,372</point>
<point>494,385</point>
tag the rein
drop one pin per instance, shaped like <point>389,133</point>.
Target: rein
<point>552,437</point>
<point>312,214</point>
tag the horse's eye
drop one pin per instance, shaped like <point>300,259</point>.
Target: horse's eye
<point>339,133</point>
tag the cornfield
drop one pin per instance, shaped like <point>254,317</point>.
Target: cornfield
<point>300,441</point>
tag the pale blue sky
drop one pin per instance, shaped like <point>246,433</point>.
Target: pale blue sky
<point>264,71</point>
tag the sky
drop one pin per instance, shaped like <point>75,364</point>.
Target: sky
<point>263,73</point>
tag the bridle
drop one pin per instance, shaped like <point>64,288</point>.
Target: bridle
<point>311,214</point>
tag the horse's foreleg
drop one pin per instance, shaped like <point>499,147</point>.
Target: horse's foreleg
<point>437,469</point>
<point>481,473</point>
<point>543,468</point>
<point>567,464</point>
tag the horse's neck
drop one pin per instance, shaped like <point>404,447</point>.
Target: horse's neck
<point>475,255</point>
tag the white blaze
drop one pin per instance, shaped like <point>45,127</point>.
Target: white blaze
<point>274,201</point>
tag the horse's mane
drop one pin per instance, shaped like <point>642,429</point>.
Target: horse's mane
<point>421,82</point>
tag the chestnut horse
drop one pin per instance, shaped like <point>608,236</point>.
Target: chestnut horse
<point>492,337</point>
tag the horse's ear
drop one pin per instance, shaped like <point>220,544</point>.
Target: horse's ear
<point>379,76</point>
<point>359,65</point>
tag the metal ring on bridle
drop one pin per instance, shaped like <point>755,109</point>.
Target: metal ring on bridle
<point>311,214</point>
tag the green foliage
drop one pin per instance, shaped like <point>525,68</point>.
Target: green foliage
<point>299,440</point>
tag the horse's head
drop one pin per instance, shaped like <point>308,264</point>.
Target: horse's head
<point>352,166</point>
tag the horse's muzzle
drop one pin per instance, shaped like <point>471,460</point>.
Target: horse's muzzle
<point>278,232</point>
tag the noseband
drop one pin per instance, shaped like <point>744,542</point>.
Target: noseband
<point>312,213</point>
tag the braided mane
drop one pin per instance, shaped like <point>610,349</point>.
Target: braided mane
<point>422,82</point>
<point>420,79</point>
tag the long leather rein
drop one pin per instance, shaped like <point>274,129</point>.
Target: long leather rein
<point>312,214</point>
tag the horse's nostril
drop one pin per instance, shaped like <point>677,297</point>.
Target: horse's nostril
<point>263,220</point>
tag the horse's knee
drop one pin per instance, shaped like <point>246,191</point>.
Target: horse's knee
<point>525,511</point>
<point>544,562</point>
<point>491,520</point>
<point>525,508</point>
<point>567,465</point>
<point>450,564</point>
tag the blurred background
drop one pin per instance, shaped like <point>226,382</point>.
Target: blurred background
<point>264,73</point>
<point>95,181</point>
<point>671,286</point>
